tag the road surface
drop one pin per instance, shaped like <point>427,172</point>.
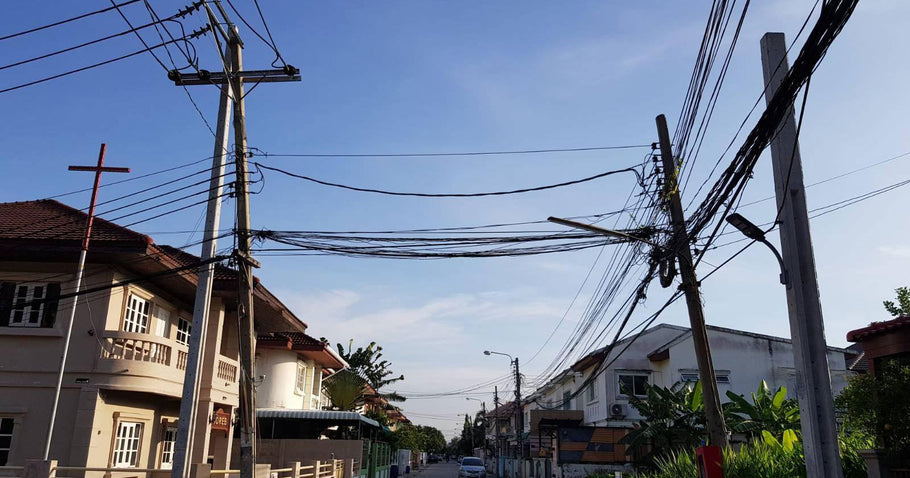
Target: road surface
<point>436,470</point>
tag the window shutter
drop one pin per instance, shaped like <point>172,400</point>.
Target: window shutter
<point>7,289</point>
<point>50,307</point>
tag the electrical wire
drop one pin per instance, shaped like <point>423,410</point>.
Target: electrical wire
<point>68,20</point>
<point>449,195</point>
<point>259,152</point>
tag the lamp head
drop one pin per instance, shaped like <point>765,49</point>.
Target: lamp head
<point>486,352</point>
<point>746,227</point>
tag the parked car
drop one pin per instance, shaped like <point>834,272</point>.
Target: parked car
<point>472,467</point>
<point>434,458</point>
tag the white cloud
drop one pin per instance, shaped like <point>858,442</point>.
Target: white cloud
<point>895,251</point>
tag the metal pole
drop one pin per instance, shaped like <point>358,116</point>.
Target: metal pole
<point>247,338</point>
<point>186,425</point>
<point>717,432</point>
<point>80,268</point>
<point>807,326</point>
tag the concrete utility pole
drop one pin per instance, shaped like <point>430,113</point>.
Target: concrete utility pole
<point>496,451</point>
<point>519,411</point>
<point>189,405</point>
<point>80,269</point>
<point>231,80</point>
<point>807,327</point>
<point>717,431</point>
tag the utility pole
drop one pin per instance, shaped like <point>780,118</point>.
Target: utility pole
<point>231,80</point>
<point>189,405</point>
<point>717,431</point>
<point>496,450</point>
<point>519,411</point>
<point>471,429</point>
<point>807,326</point>
<point>80,269</point>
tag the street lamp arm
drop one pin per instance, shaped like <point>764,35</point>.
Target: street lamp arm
<point>599,230</point>
<point>784,277</point>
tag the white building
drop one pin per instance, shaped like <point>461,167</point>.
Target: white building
<point>664,355</point>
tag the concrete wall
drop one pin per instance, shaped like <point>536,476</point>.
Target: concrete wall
<point>281,452</point>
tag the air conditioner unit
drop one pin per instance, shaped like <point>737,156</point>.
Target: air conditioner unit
<point>619,409</point>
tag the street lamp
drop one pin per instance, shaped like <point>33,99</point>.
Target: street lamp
<point>600,230</point>
<point>755,233</point>
<point>519,413</point>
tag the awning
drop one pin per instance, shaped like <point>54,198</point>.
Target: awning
<point>323,415</point>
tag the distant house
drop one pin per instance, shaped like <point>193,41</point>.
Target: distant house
<point>664,355</point>
<point>883,341</point>
<point>124,374</point>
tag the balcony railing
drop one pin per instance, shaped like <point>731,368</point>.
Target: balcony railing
<point>138,347</point>
<point>227,371</point>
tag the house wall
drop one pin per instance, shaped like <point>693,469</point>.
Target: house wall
<point>278,369</point>
<point>282,452</point>
<point>98,386</point>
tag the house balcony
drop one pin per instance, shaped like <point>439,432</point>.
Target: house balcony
<point>143,362</point>
<point>594,411</point>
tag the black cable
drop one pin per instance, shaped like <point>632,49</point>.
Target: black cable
<point>61,22</point>
<point>259,152</point>
<point>449,195</point>
<point>270,45</point>
<point>95,65</point>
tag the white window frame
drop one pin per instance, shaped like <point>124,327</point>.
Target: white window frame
<point>127,444</point>
<point>591,392</point>
<point>168,439</point>
<point>300,380</point>
<point>9,448</point>
<point>184,329</point>
<point>136,315</point>
<point>21,305</point>
<point>619,392</point>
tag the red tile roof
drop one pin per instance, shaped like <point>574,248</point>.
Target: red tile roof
<point>295,340</point>
<point>49,219</point>
<point>878,328</point>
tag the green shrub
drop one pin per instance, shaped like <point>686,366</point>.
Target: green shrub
<point>767,457</point>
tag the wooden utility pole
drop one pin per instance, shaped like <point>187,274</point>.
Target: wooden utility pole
<point>807,326</point>
<point>717,431</point>
<point>231,81</point>
<point>496,449</point>
<point>245,264</point>
<point>80,269</point>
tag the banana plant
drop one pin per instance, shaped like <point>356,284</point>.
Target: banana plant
<point>772,413</point>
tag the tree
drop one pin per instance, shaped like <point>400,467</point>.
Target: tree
<point>345,390</point>
<point>368,363</point>
<point>878,407</point>
<point>673,420</point>
<point>433,439</point>
<point>903,303</point>
<point>775,414</point>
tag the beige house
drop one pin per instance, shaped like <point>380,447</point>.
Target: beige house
<point>127,359</point>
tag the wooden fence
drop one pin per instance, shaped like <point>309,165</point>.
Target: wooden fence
<point>315,469</point>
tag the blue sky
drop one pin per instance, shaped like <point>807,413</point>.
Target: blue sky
<point>390,77</point>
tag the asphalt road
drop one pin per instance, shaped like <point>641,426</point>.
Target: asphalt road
<point>437,470</point>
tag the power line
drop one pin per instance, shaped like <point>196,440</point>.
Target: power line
<point>61,22</point>
<point>102,63</point>
<point>448,195</point>
<point>259,152</point>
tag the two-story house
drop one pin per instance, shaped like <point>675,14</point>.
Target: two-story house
<point>124,374</point>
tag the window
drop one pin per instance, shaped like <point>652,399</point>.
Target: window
<point>300,386</point>
<point>6,439</point>
<point>162,319</point>
<point>633,384</point>
<point>126,445</point>
<point>592,392</point>
<point>566,400</point>
<point>317,380</point>
<point>183,330</point>
<point>28,304</point>
<point>167,447</point>
<point>692,377</point>
<point>137,315</point>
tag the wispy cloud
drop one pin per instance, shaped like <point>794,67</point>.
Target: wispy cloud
<point>902,252</point>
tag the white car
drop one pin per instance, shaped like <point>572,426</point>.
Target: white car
<point>472,467</point>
